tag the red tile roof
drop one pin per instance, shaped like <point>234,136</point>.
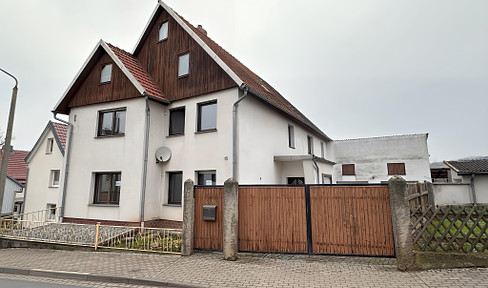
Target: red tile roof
<point>135,68</point>
<point>253,81</point>
<point>61,130</point>
<point>17,168</point>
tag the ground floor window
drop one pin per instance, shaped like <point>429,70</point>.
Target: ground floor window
<point>51,212</point>
<point>175,187</point>
<point>206,178</point>
<point>326,179</point>
<point>296,180</point>
<point>107,188</point>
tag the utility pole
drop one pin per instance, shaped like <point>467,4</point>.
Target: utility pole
<point>8,138</point>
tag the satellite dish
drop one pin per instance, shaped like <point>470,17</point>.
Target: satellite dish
<point>163,154</point>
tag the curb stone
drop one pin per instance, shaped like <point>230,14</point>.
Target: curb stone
<point>97,278</point>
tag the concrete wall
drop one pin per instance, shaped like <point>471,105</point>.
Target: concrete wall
<point>263,133</point>
<point>39,191</point>
<point>92,154</point>
<point>452,193</point>
<point>371,155</point>
<point>481,188</point>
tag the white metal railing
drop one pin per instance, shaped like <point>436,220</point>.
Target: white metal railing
<point>159,240</point>
<point>46,215</point>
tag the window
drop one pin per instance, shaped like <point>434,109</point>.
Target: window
<point>296,180</point>
<point>177,121</point>
<point>322,149</point>
<point>163,31</point>
<point>175,187</point>
<point>51,210</point>
<point>111,122</point>
<point>310,144</point>
<point>206,178</point>
<point>54,178</point>
<point>291,136</point>
<point>396,168</point>
<point>107,188</point>
<point>207,116</point>
<point>326,179</point>
<point>50,145</point>
<point>348,169</point>
<point>106,74</point>
<point>183,65</point>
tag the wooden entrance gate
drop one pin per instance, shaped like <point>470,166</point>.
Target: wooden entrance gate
<point>314,219</point>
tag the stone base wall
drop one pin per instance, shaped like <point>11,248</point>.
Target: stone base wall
<point>155,223</point>
<point>433,260</point>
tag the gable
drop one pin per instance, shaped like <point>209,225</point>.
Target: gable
<point>160,60</point>
<point>90,91</point>
<point>57,131</point>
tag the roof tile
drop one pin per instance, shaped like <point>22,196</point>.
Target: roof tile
<point>61,130</point>
<point>17,168</point>
<point>470,166</point>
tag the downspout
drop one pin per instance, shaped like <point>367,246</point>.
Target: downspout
<point>234,131</point>
<point>473,193</point>
<point>144,163</point>
<point>316,168</point>
<point>67,151</point>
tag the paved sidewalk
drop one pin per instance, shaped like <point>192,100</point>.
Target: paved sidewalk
<point>206,269</point>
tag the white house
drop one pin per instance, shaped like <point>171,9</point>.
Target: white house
<point>45,164</point>
<point>15,183</point>
<point>181,107</point>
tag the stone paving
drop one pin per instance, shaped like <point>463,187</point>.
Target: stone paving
<point>207,269</point>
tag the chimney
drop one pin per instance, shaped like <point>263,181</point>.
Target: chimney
<point>200,28</point>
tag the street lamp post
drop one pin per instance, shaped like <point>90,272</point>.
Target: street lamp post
<point>8,138</point>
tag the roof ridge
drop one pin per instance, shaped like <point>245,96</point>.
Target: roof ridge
<point>384,136</point>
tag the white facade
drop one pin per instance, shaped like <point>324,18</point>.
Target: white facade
<point>371,156</point>
<point>42,189</point>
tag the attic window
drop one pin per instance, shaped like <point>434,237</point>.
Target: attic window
<point>106,74</point>
<point>183,65</point>
<point>163,32</point>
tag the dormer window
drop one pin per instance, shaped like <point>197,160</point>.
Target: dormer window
<point>163,32</point>
<point>106,74</point>
<point>183,65</point>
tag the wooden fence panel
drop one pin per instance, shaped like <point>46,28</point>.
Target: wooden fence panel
<point>272,219</point>
<point>353,220</point>
<point>209,234</point>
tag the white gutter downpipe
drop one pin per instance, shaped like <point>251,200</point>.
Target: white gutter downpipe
<point>234,131</point>
<point>144,163</point>
<point>67,153</point>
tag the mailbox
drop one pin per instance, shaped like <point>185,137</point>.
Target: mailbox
<point>209,212</point>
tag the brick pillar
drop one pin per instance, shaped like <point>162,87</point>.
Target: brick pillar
<point>231,221</point>
<point>402,226</point>
<point>188,218</point>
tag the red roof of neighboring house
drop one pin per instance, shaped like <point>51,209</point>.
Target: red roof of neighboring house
<point>135,68</point>
<point>17,167</point>
<point>61,130</point>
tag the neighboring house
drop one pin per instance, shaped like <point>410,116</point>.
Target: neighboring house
<point>440,172</point>
<point>45,162</point>
<point>181,107</point>
<point>16,179</point>
<point>473,172</point>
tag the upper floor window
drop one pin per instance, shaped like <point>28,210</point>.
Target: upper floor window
<point>177,121</point>
<point>106,74</point>
<point>107,188</point>
<point>163,32</point>
<point>54,178</point>
<point>322,149</point>
<point>207,116</point>
<point>183,65</point>
<point>396,168</point>
<point>310,144</point>
<point>111,122</point>
<point>291,136</point>
<point>348,169</point>
<point>50,145</point>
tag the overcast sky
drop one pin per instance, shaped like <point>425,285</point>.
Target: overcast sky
<point>355,68</point>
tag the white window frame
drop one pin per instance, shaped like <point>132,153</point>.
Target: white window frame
<point>310,144</point>
<point>50,145</point>
<point>291,136</point>
<point>322,149</point>
<point>163,31</point>
<point>106,74</point>
<point>52,178</point>
<point>184,65</point>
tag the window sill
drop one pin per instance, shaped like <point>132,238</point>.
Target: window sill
<point>104,205</point>
<point>206,131</point>
<point>172,205</point>
<point>175,135</point>
<point>162,40</point>
<point>49,153</point>
<point>183,76</point>
<point>103,83</point>
<point>110,136</point>
<point>50,186</point>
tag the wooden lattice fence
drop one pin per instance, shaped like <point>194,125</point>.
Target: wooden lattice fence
<point>453,228</point>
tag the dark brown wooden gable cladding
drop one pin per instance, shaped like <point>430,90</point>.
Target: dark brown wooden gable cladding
<point>90,91</point>
<point>160,60</point>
